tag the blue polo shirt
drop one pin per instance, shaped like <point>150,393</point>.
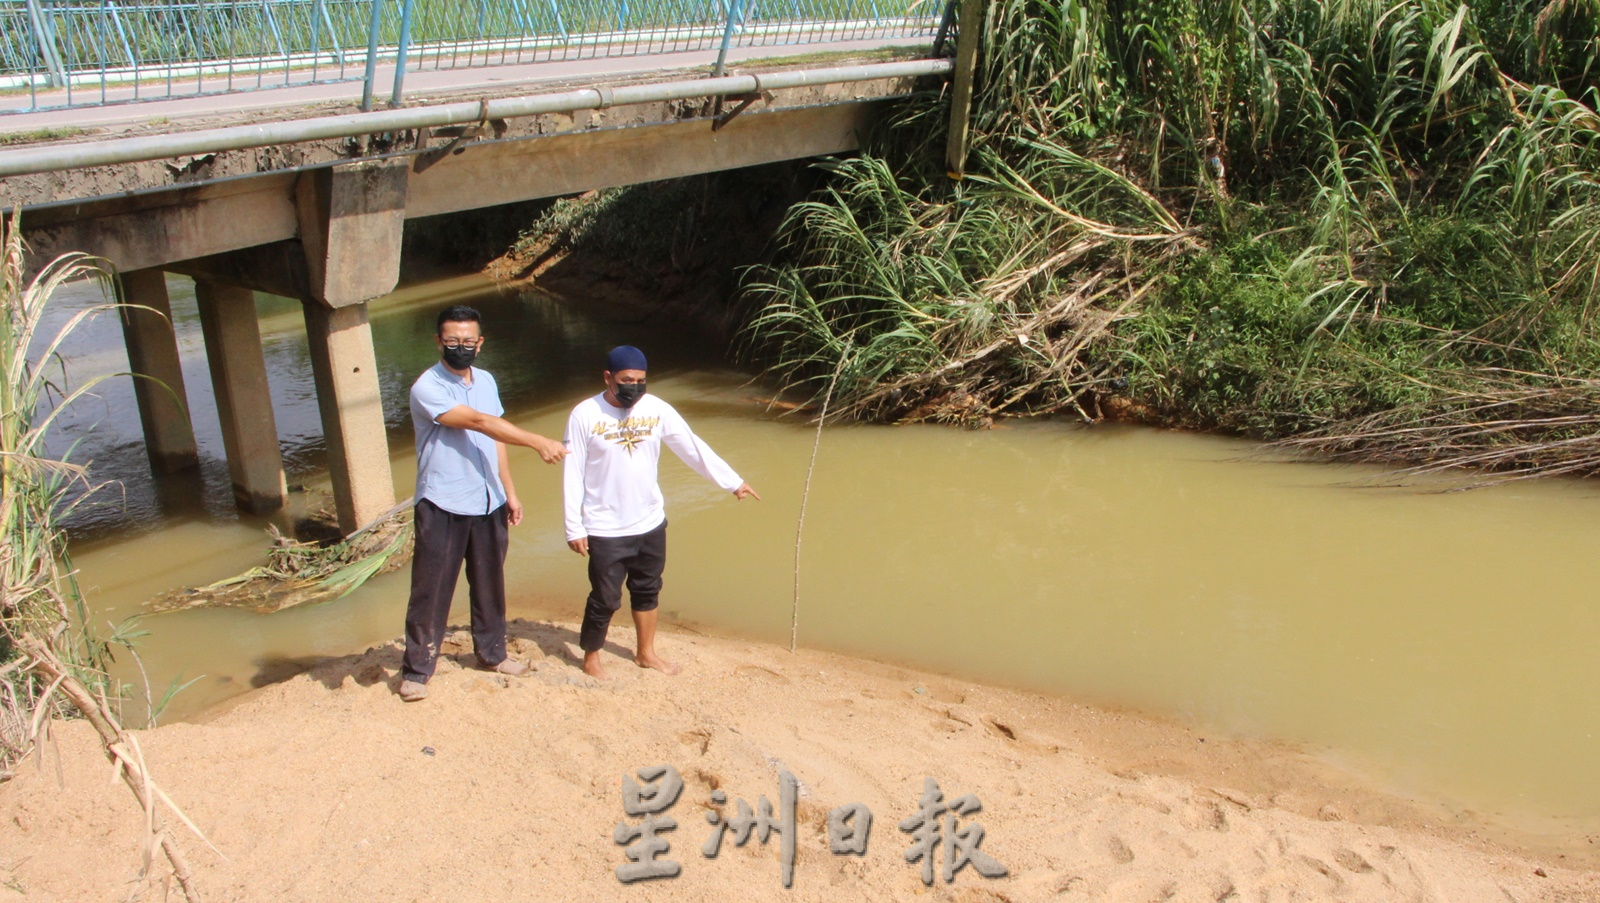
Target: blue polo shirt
<point>457,469</point>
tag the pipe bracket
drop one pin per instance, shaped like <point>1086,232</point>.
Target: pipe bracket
<point>721,118</point>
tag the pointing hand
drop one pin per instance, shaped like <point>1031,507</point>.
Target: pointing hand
<point>550,451</point>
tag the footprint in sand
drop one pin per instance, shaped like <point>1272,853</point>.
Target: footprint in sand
<point>1204,814</point>
<point>757,671</point>
<point>1352,861</point>
<point>700,738</point>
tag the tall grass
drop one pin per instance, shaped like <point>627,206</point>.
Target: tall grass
<point>38,595</point>
<point>1271,216</point>
<point>50,664</point>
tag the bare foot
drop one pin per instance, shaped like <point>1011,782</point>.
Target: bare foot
<point>592,667</point>
<point>651,660</point>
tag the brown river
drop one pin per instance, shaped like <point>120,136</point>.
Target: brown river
<point>1441,644</point>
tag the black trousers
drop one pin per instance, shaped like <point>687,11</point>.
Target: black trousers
<point>443,542</point>
<point>640,559</point>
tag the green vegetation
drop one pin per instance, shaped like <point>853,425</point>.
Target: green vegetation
<point>46,643</point>
<point>1373,225</point>
<point>51,664</point>
<point>670,250</point>
<point>38,597</point>
<point>10,139</point>
<point>625,223</point>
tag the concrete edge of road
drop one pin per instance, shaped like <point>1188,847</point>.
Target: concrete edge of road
<point>184,109</point>
<point>59,157</point>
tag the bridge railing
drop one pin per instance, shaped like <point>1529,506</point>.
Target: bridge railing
<point>108,51</point>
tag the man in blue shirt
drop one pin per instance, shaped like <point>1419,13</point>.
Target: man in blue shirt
<point>465,502</point>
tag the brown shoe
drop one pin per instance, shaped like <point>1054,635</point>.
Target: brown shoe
<point>411,691</point>
<point>509,666</point>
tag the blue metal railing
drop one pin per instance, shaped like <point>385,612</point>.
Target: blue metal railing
<point>107,51</point>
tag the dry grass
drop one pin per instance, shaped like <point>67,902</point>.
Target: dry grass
<point>50,665</point>
<point>1493,433</point>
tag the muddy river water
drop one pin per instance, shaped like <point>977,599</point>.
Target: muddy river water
<point>1443,644</point>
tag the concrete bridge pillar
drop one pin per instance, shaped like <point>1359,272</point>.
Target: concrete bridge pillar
<point>351,219</point>
<point>346,371</point>
<point>244,402</point>
<point>158,382</point>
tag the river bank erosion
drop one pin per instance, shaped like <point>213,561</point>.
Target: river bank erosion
<point>326,787</point>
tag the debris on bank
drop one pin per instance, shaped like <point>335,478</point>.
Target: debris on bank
<point>306,573</point>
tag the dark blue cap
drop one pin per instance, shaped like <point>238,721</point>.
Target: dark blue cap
<point>625,357</point>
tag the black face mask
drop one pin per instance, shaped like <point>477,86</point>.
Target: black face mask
<point>459,358</point>
<point>628,394</point>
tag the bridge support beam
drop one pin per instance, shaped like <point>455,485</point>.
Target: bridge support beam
<point>158,380</point>
<point>244,401</point>
<point>351,219</point>
<point>346,371</point>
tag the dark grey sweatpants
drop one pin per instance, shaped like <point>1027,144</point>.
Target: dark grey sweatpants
<point>443,542</point>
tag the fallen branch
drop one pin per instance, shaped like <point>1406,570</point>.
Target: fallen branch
<point>43,660</point>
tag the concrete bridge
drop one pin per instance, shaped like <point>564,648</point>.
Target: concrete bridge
<point>313,207</point>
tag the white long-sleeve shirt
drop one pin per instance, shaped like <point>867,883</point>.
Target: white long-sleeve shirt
<point>609,483</point>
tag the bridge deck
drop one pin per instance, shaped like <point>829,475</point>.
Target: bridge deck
<point>426,86</point>
<point>162,211</point>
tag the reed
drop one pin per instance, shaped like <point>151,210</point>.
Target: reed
<point>51,665</point>
<point>38,596</point>
<point>1276,217</point>
<point>1492,433</point>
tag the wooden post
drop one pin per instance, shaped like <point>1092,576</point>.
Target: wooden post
<point>969,28</point>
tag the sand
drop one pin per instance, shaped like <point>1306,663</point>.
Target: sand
<point>327,787</point>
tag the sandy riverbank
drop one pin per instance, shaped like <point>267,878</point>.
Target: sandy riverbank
<point>319,788</point>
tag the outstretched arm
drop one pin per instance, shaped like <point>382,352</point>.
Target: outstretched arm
<point>693,451</point>
<point>502,430</point>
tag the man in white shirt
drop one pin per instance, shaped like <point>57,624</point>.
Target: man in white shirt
<point>615,515</point>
